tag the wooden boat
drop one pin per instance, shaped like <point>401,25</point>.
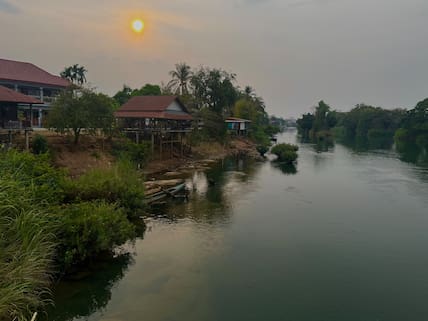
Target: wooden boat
<point>164,193</point>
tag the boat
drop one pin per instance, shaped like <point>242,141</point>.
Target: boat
<point>164,193</point>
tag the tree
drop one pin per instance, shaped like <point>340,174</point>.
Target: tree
<point>414,129</point>
<point>75,73</point>
<point>122,96</point>
<point>214,89</point>
<point>74,111</point>
<point>181,76</point>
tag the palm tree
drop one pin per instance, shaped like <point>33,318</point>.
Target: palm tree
<point>248,91</point>
<point>75,73</point>
<point>80,75</point>
<point>180,78</point>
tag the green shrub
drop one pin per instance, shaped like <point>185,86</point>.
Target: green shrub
<point>40,144</point>
<point>128,150</point>
<point>286,153</point>
<point>262,149</point>
<point>91,228</point>
<point>119,184</point>
<point>35,171</point>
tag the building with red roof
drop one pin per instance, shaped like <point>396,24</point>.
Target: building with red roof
<point>154,107</point>
<point>28,79</point>
<point>164,120</point>
<point>9,100</point>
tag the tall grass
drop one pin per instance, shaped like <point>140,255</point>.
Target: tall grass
<point>26,252</point>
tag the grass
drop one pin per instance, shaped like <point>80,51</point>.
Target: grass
<point>26,253</point>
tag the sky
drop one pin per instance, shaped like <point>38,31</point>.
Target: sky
<point>292,52</point>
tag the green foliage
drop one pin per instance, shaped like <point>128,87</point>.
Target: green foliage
<point>80,110</point>
<point>123,95</point>
<point>26,251</point>
<point>214,89</point>
<point>35,172</point>
<point>47,219</point>
<point>214,126</point>
<point>286,153</point>
<point>119,185</point>
<point>305,124</point>
<point>40,144</point>
<point>414,127</point>
<point>364,119</point>
<point>315,126</point>
<point>91,228</point>
<point>262,149</point>
<point>75,73</point>
<point>128,150</point>
<point>181,76</point>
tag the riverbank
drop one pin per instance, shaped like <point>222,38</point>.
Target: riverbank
<point>202,155</point>
<point>96,153</point>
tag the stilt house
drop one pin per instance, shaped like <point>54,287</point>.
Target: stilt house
<point>162,120</point>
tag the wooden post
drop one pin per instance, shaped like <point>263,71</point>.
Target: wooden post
<point>31,115</point>
<point>153,143</point>
<point>137,137</point>
<point>161,142</point>
<point>181,145</point>
<point>171,137</point>
<point>27,139</point>
<point>10,138</point>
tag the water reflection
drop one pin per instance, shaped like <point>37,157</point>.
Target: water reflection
<point>285,168</point>
<point>212,192</point>
<point>79,298</point>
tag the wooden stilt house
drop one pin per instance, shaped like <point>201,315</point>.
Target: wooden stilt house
<point>162,120</point>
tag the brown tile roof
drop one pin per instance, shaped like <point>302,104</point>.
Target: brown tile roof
<point>11,96</point>
<point>152,107</point>
<point>26,72</point>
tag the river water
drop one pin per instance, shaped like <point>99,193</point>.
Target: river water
<point>343,236</point>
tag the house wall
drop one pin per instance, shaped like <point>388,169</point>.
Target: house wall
<point>8,112</point>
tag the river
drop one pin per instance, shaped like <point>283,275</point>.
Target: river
<point>343,236</point>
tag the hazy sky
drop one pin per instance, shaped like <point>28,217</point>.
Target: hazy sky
<point>293,52</point>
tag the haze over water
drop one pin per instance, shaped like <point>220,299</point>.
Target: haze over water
<point>344,238</point>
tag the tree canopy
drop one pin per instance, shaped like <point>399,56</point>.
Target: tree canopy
<point>75,73</point>
<point>77,110</point>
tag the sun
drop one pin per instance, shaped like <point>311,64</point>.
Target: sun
<point>138,25</point>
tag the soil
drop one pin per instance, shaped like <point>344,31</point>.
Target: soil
<point>92,152</point>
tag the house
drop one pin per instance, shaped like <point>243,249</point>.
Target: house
<point>238,126</point>
<point>9,101</point>
<point>30,80</point>
<point>164,120</point>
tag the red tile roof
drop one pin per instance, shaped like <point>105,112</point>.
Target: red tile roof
<point>26,72</point>
<point>152,107</point>
<point>11,96</point>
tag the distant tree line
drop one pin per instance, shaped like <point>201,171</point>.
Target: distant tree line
<point>365,125</point>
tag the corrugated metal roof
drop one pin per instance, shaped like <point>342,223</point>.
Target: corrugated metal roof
<point>11,96</point>
<point>26,72</point>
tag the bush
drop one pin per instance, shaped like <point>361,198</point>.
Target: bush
<point>40,145</point>
<point>119,184</point>
<point>286,153</point>
<point>128,150</point>
<point>91,228</point>
<point>262,149</point>
<point>35,171</point>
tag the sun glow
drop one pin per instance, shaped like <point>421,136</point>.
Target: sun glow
<point>138,25</point>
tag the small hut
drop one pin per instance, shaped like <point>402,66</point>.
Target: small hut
<point>238,126</point>
<point>163,120</point>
